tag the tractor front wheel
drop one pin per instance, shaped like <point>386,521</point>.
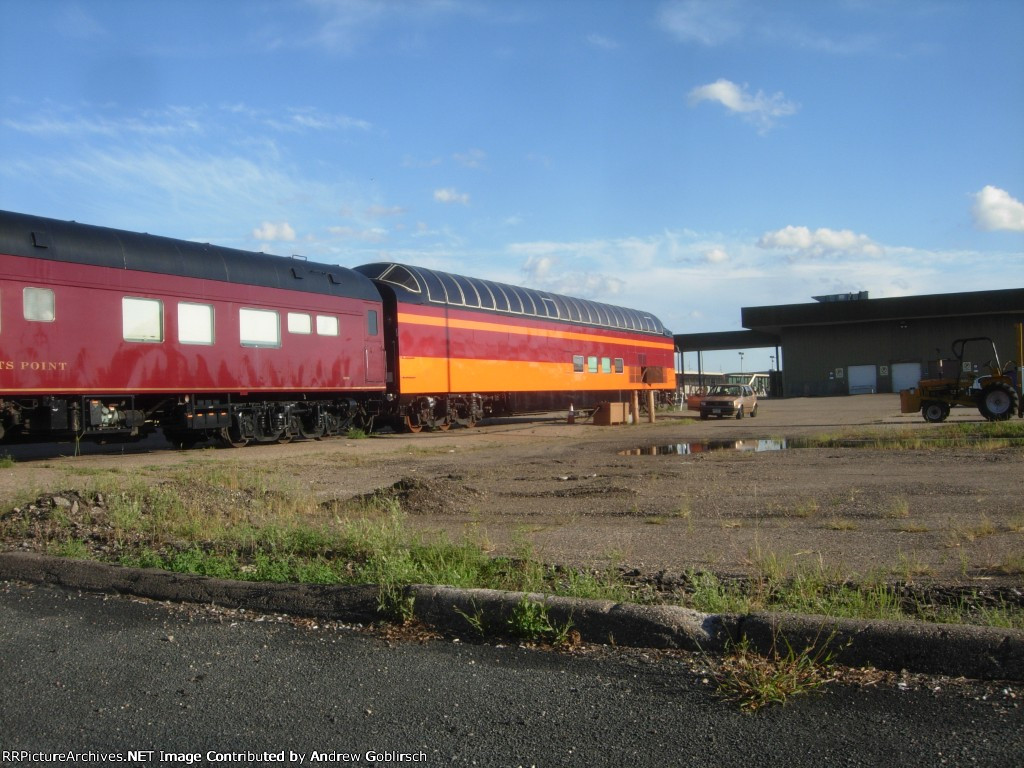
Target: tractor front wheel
<point>998,401</point>
<point>935,411</point>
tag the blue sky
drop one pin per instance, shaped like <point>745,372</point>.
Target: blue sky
<point>686,157</point>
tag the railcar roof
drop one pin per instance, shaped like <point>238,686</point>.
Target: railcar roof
<point>420,285</point>
<point>68,241</point>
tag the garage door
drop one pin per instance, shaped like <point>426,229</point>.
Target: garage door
<point>863,379</point>
<point>905,376</point>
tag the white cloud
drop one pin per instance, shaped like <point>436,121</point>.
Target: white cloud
<point>368,235</point>
<point>600,41</point>
<point>801,241</point>
<point>760,109</point>
<point>538,268</point>
<point>474,158</point>
<point>312,119</point>
<point>716,256</point>
<point>719,22</point>
<point>170,122</point>
<point>700,21</point>
<point>994,209</point>
<point>450,195</point>
<point>380,211</point>
<point>269,230</point>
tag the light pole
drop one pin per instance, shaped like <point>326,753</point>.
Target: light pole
<point>741,362</point>
<point>772,358</point>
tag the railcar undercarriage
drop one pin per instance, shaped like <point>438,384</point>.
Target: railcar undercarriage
<point>185,421</point>
<point>93,417</point>
<point>188,420</point>
<point>235,424</point>
<point>438,412</point>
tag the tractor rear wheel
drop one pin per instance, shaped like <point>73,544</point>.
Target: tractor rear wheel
<point>935,411</point>
<point>998,401</point>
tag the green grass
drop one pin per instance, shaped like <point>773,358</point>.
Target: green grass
<point>753,680</point>
<point>530,621</point>
<point>987,435</point>
<point>228,521</point>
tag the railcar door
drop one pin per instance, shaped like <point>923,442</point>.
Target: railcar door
<point>374,348</point>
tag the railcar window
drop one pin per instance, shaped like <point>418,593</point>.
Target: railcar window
<point>326,325</point>
<point>563,306</point>
<point>259,328</point>
<point>451,288</point>
<point>399,275</point>
<point>371,322</point>
<point>435,291</point>
<point>469,293</point>
<point>548,307</point>
<point>487,297</point>
<point>606,365</point>
<point>618,317</point>
<point>195,323</point>
<point>39,305</point>
<point>142,319</point>
<point>515,300</point>
<point>585,316</point>
<point>592,364</point>
<point>574,309</point>
<point>501,302</point>
<point>618,365</point>
<point>299,322</point>
<point>577,363</point>
<point>529,306</point>
<point>649,323</point>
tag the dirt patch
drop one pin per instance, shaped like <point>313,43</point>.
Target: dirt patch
<point>427,495</point>
<point>924,515</point>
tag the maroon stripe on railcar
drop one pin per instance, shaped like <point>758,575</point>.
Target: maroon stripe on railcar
<point>83,350</point>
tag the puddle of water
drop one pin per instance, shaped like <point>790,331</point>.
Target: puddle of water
<point>705,446</point>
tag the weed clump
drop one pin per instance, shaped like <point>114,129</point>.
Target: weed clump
<point>753,680</point>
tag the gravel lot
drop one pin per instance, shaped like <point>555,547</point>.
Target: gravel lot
<point>580,495</point>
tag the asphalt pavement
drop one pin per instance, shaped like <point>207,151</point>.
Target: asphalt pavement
<point>103,677</point>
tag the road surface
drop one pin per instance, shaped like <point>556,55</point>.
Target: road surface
<point>96,676</point>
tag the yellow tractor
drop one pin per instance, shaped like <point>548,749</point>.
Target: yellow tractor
<point>994,389</point>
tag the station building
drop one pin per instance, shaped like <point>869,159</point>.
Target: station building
<point>851,344</point>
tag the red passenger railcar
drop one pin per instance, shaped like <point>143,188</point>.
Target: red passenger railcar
<point>109,333</point>
<point>460,348</point>
<point>106,333</point>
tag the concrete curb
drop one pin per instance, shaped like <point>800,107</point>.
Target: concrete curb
<point>982,653</point>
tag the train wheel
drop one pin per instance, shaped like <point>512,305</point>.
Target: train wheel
<point>312,434</point>
<point>417,427</point>
<point>331,425</point>
<point>230,438</point>
<point>291,430</point>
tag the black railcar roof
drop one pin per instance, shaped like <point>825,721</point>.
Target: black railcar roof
<point>419,285</point>
<point>68,241</point>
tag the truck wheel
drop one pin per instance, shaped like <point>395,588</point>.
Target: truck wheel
<point>935,411</point>
<point>998,401</point>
